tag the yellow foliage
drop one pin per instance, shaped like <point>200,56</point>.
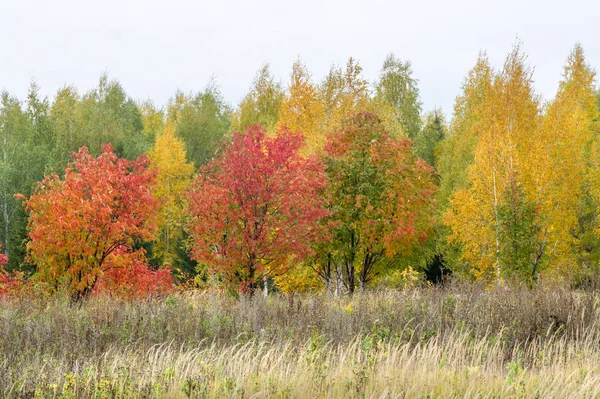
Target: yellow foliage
<point>560,168</point>
<point>507,117</point>
<point>302,110</point>
<point>404,278</point>
<point>174,175</point>
<point>549,153</point>
<point>458,151</point>
<point>299,278</point>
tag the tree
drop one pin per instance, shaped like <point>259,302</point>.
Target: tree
<point>262,104</point>
<point>428,138</point>
<point>507,119</point>
<point>381,197</point>
<point>457,150</point>
<point>255,208</point>
<point>107,115</point>
<point>152,119</point>
<point>68,123</point>
<point>38,110</point>
<point>173,177</point>
<point>564,164</point>
<point>519,233</point>
<point>399,90</point>
<point>130,277</point>
<point>102,207</point>
<point>302,110</point>
<point>8,283</point>
<point>19,168</point>
<point>201,121</point>
<point>3,259</point>
<point>344,93</point>
<point>456,154</point>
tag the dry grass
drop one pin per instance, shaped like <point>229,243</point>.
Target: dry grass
<point>454,342</point>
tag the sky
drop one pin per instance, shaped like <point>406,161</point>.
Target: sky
<point>154,48</point>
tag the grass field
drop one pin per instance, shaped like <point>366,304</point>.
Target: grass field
<point>460,341</point>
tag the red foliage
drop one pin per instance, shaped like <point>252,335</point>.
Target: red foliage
<point>3,260</point>
<point>256,207</point>
<point>76,224</point>
<point>5,279</point>
<point>127,276</point>
<point>11,285</point>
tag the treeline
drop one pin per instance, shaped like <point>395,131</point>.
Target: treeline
<point>337,184</point>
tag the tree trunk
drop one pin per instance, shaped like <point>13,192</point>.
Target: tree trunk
<point>251,276</point>
<point>350,277</point>
<point>497,229</point>
<point>265,285</point>
<point>364,273</point>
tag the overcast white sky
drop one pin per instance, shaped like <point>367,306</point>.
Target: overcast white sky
<point>156,47</point>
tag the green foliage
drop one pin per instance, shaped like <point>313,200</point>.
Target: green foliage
<point>103,115</point>
<point>399,90</point>
<point>343,93</point>
<point>428,138</point>
<point>381,197</point>
<point>261,106</point>
<point>25,138</point>
<point>519,233</point>
<point>201,121</point>
<point>108,115</point>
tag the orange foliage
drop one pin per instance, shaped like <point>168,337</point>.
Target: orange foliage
<point>127,276</point>
<point>77,224</point>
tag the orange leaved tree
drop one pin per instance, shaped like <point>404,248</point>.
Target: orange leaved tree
<point>127,275</point>
<point>381,195</point>
<point>5,279</point>
<point>101,207</point>
<point>255,208</point>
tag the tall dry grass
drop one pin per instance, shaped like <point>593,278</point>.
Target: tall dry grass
<point>462,341</point>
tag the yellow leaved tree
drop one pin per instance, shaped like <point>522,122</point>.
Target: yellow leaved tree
<point>563,165</point>
<point>478,214</point>
<point>302,110</point>
<point>174,175</point>
<point>457,152</point>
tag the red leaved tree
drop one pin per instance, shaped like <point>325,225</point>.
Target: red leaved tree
<point>3,260</point>
<point>12,284</point>
<point>102,205</point>
<point>5,279</point>
<point>255,208</point>
<point>127,275</point>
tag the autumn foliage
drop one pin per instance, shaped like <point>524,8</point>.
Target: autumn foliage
<point>77,225</point>
<point>381,195</point>
<point>5,279</point>
<point>324,185</point>
<point>12,284</point>
<point>128,276</point>
<point>255,208</point>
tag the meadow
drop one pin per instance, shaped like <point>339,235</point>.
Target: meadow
<point>462,340</point>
